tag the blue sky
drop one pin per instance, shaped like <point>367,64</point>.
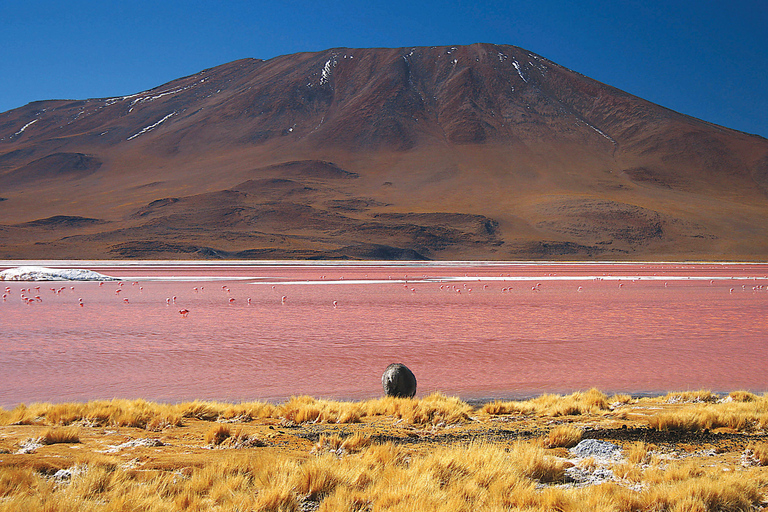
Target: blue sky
<point>708,59</point>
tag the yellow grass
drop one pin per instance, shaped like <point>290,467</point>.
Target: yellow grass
<point>739,415</point>
<point>432,410</point>
<point>342,445</point>
<point>60,435</point>
<point>742,396</point>
<point>217,434</point>
<point>347,470</point>
<point>435,409</point>
<point>478,476</point>
<point>564,436</point>
<point>589,402</point>
<point>758,452</point>
<point>638,453</point>
<point>691,397</point>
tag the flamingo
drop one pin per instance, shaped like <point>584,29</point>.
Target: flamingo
<point>125,300</point>
<point>282,301</point>
<point>80,302</point>
<point>231,300</point>
<point>184,312</point>
<point>335,304</point>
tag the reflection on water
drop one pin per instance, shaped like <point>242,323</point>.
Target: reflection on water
<point>473,331</point>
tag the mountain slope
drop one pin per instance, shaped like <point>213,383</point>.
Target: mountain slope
<point>473,152</point>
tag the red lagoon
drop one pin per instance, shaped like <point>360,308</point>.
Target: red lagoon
<point>267,331</point>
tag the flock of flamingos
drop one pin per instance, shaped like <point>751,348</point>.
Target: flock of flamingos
<point>32,294</point>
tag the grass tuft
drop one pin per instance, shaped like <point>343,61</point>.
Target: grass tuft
<point>742,396</point>
<point>737,415</point>
<point>691,397</point>
<point>638,453</point>
<point>565,436</point>
<point>589,402</point>
<point>60,435</point>
<point>341,445</point>
<point>217,434</point>
<point>757,453</point>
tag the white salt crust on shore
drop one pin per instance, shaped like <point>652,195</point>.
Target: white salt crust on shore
<point>52,274</point>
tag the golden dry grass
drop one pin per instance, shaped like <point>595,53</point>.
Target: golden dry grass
<point>589,402</point>
<point>638,453</point>
<point>691,397</point>
<point>431,410</point>
<point>341,445</point>
<point>742,396</point>
<point>217,434</point>
<point>269,466</point>
<point>739,415</point>
<point>758,452</point>
<point>60,435</point>
<point>564,436</point>
<point>382,477</point>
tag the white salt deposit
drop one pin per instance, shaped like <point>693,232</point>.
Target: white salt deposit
<point>135,443</point>
<point>597,449</point>
<point>52,274</point>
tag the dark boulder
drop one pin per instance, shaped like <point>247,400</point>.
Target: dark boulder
<point>399,381</point>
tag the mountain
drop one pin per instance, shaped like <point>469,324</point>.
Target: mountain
<point>467,152</point>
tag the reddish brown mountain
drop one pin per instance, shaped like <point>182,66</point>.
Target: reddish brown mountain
<point>473,152</point>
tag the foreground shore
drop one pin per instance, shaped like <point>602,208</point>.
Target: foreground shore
<point>585,451</point>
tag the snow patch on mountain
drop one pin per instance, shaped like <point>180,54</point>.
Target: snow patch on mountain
<point>25,127</point>
<point>519,71</point>
<point>326,74</point>
<point>151,127</point>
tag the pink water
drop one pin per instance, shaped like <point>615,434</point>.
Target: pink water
<point>630,328</point>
